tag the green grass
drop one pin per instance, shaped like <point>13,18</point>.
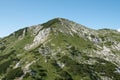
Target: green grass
<point>74,52</point>
<point>4,66</point>
<point>14,73</point>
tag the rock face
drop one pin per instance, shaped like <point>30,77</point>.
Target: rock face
<point>60,49</point>
<point>39,38</point>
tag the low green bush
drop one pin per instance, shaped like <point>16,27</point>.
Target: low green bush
<point>12,74</point>
<point>4,66</point>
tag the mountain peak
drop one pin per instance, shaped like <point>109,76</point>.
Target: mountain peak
<point>71,50</point>
<point>53,21</point>
<point>60,19</point>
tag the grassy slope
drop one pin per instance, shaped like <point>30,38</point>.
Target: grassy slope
<point>73,48</point>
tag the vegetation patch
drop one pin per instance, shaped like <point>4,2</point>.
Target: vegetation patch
<point>4,66</point>
<point>7,55</point>
<point>14,73</point>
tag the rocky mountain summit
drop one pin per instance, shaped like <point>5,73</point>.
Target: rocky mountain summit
<point>60,49</point>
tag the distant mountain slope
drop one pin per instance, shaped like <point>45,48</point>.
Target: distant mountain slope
<point>60,49</point>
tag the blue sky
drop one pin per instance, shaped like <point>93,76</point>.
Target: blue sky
<point>96,14</point>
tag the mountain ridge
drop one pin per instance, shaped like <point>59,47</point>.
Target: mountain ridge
<point>60,49</point>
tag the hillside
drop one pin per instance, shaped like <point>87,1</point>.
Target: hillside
<point>60,49</point>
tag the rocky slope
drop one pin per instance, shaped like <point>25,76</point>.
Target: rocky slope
<point>60,49</point>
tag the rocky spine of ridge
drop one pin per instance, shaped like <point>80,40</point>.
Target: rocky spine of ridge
<point>71,50</point>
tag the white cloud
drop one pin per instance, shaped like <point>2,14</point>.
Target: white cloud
<point>118,30</point>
